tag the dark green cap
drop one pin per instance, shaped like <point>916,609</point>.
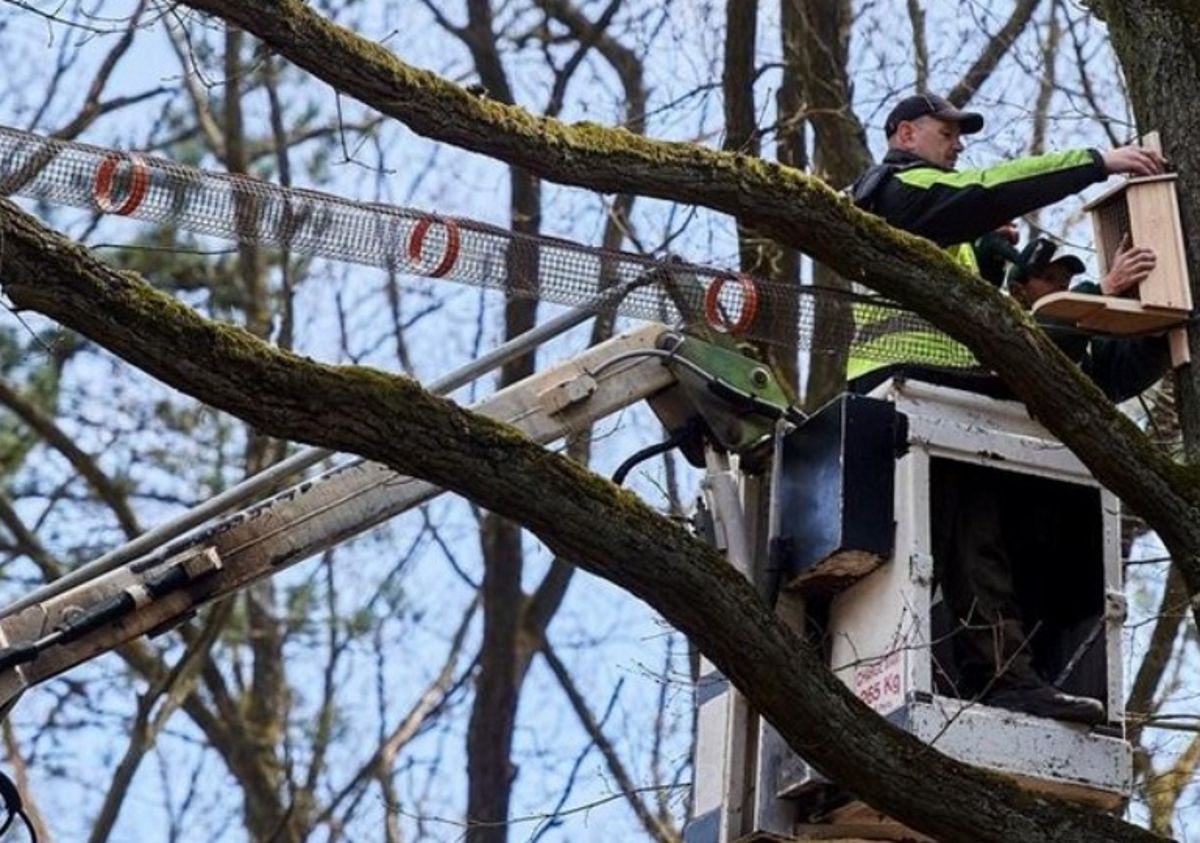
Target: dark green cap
<point>1036,257</point>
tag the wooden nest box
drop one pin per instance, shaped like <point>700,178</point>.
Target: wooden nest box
<point>1146,209</point>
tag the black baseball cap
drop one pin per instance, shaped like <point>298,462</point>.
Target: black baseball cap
<point>1036,257</point>
<point>931,105</point>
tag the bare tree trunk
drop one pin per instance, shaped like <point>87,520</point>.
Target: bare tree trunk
<point>494,710</point>
<point>1155,40</point>
<point>497,686</point>
<point>266,703</point>
<point>821,31</point>
<point>916,16</point>
<point>514,626</point>
<point>1046,88</point>
<point>759,256</point>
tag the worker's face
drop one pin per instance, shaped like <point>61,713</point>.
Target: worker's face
<point>1053,279</point>
<point>937,141</point>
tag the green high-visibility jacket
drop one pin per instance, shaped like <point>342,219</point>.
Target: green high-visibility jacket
<point>953,208</point>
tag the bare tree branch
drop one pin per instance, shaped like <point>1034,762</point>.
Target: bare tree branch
<point>1163,796</point>
<point>653,824</point>
<point>916,17</point>
<point>205,119</point>
<point>115,498</point>
<point>1168,619</point>
<point>93,108</point>
<point>1085,81</point>
<point>12,750</point>
<point>175,686</point>
<point>27,542</point>
<point>432,699</point>
<point>996,49</point>
<point>1046,87</point>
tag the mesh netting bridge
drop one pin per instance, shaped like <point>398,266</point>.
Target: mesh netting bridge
<point>249,210</point>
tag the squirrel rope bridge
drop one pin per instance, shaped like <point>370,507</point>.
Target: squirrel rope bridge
<point>312,223</point>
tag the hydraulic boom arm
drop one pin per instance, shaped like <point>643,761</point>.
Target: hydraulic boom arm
<point>164,588</point>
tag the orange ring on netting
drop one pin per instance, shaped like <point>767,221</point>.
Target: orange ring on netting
<point>712,304</point>
<point>416,243</point>
<point>102,185</point>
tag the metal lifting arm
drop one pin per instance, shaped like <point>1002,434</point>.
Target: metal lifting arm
<point>164,588</point>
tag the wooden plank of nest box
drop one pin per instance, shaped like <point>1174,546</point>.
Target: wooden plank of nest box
<point>1124,185</point>
<point>1107,314</point>
<point>1068,306</point>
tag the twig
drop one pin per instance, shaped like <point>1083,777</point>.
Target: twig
<point>653,825</point>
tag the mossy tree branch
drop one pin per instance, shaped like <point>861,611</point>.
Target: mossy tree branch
<point>579,516</point>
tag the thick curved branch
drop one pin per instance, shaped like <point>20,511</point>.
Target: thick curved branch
<point>607,531</point>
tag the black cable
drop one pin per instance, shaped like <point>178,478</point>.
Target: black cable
<point>28,826</point>
<point>108,610</point>
<point>670,443</point>
<point>18,654</point>
<point>15,807</point>
<point>10,795</point>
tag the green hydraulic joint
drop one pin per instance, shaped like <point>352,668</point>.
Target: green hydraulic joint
<point>738,399</point>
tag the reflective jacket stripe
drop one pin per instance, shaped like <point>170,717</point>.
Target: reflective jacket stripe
<point>882,337</point>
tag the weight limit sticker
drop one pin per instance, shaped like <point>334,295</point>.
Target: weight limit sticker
<point>880,682</point>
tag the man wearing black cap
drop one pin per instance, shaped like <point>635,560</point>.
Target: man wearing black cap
<point>1121,367</point>
<point>916,187</point>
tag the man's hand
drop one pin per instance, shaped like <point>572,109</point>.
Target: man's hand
<point>1135,160</point>
<point>1129,269</point>
<point>1009,232</point>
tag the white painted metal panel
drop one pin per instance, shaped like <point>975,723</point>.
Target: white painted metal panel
<point>1014,743</point>
<point>1114,582</point>
<point>708,789</point>
<point>872,624</point>
<point>982,430</point>
<point>880,625</point>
